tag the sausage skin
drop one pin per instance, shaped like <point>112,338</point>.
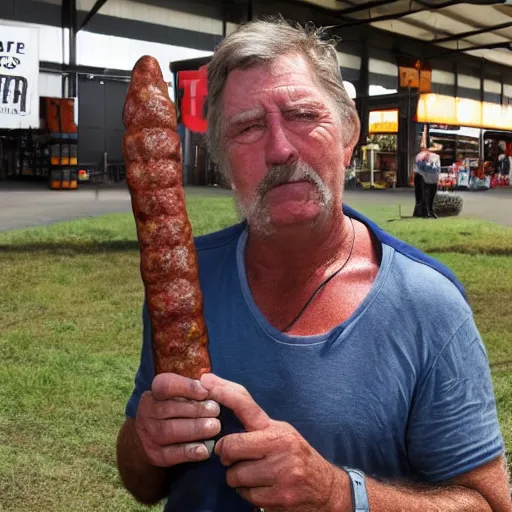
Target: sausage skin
<point>168,258</point>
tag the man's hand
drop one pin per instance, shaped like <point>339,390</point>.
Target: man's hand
<point>272,465</point>
<point>173,418</point>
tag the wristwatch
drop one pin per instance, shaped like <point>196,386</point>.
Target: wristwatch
<point>358,487</point>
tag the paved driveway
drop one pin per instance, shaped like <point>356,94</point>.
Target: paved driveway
<point>24,205</point>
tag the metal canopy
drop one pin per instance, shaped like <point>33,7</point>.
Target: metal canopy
<point>482,28</point>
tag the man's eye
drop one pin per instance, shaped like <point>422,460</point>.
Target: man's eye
<point>251,127</point>
<point>303,116</point>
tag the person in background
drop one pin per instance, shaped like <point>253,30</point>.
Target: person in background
<point>426,177</point>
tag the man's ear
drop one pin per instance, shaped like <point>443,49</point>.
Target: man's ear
<point>349,149</point>
<point>348,156</point>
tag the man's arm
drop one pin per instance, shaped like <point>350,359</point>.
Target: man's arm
<point>272,466</point>
<point>147,483</point>
<point>485,489</point>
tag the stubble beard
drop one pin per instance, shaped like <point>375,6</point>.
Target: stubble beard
<point>258,216</point>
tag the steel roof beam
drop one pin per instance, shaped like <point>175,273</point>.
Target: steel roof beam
<point>95,8</point>
<point>363,7</point>
<point>494,46</point>
<point>470,33</point>
<point>403,14</point>
<point>384,17</point>
<point>441,5</point>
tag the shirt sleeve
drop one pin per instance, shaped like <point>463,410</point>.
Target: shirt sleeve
<point>453,427</point>
<point>145,373</point>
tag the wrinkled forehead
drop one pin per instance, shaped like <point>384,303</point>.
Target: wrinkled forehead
<point>286,82</point>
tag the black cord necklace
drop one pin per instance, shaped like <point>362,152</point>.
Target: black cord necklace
<point>324,283</point>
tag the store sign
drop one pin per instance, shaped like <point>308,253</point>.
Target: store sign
<point>383,121</point>
<point>409,77</point>
<point>434,108</point>
<point>497,116</point>
<point>19,77</point>
<point>415,77</point>
<point>193,86</point>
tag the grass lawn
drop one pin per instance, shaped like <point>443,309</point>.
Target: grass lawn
<point>70,338</point>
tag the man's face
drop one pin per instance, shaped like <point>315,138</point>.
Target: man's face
<point>283,145</point>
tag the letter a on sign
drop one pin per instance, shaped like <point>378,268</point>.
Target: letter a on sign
<point>194,87</point>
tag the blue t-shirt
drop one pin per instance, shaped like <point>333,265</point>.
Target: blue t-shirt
<point>401,390</point>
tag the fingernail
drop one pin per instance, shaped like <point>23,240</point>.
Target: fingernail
<point>197,451</point>
<point>211,424</point>
<point>212,407</point>
<point>199,386</point>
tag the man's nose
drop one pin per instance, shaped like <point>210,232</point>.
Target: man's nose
<point>279,150</point>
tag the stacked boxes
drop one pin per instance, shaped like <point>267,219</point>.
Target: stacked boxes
<point>59,120</point>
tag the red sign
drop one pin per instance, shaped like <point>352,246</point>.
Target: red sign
<point>193,104</point>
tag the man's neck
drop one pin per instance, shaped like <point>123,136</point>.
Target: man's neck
<point>287,258</point>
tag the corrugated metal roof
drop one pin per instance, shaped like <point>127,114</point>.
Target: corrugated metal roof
<point>483,26</point>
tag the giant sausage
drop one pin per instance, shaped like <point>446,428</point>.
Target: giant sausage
<point>168,258</point>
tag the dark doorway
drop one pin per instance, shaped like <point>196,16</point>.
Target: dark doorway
<point>100,124</point>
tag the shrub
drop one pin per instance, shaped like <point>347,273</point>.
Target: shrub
<point>447,204</point>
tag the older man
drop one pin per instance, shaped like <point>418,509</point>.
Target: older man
<point>351,360</point>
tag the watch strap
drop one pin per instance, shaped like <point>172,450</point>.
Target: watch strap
<point>358,487</point>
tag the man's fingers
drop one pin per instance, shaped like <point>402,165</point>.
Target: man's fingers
<point>167,409</point>
<point>260,497</point>
<point>177,454</point>
<point>238,447</point>
<point>250,474</point>
<point>237,398</point>
<point>175,431</point>
<point>170,385</point>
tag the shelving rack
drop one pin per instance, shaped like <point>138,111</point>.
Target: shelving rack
<point>64,146</point>
<point>455,147</point>
<point>64,161</point>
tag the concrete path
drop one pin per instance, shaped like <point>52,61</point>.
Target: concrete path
<point>23,205</point>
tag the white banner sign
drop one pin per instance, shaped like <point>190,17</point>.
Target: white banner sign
<point>19,77</point>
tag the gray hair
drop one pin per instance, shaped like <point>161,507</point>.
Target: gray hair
<point>262,42</point>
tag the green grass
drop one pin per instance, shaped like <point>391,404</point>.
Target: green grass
<point>70,304</point>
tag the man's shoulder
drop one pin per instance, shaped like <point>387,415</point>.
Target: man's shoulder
<point>427,288</point>
<point>422,298</point>
<point>218,239</point>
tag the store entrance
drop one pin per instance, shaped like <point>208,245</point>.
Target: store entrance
<point>497,155</point>
<point>389,142</point>
<point>471,158</point>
